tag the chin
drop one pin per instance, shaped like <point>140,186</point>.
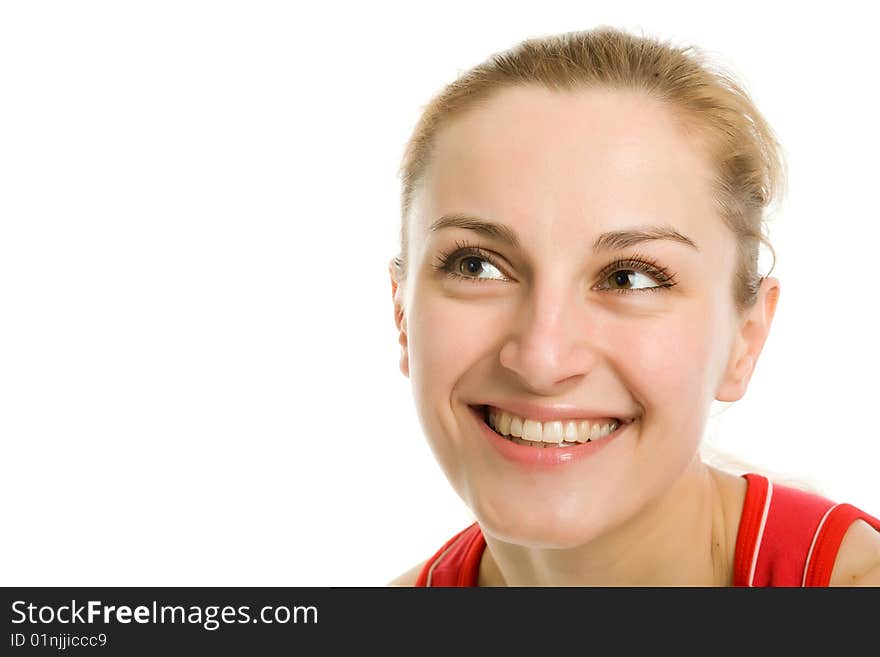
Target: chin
<point>529,525</point>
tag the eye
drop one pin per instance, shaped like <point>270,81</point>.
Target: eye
<point>627,279</point>
<point>636,274</point>
<point>473,266</point>
<point>470,263</point>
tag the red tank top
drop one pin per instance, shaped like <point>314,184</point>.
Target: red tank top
<point>786,537</point>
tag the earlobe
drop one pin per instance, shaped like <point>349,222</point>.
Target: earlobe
<point>736,377</point>
<point>399,320</point>
<point>749,342</point>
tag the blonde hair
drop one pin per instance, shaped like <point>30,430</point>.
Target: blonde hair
<point>707,101</point>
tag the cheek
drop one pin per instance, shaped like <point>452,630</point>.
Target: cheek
<point>443,337</point>
<point>446,338</point>
<point>667,363</point>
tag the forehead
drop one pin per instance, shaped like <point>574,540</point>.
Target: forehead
<point>549,162</point>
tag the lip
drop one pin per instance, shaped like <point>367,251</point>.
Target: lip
<point>560,412</point>
<point>542,457</point>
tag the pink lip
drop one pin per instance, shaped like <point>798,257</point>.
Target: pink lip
<point>541,457</point>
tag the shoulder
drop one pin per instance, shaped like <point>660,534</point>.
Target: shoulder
<point>858,559</point>
<point>408,578</point>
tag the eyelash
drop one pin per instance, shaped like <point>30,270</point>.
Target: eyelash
<point>640,263</point>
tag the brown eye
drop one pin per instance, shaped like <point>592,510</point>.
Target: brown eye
<point>475,268</point>
<point>471,265</point>
<point>629,279</point>
<point>469,262</point>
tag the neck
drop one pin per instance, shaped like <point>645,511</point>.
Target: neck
<point>686,537</point>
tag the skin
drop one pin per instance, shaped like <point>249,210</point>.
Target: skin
<point>541,325</point>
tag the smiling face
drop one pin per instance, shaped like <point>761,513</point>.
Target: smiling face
<point>615,300</point>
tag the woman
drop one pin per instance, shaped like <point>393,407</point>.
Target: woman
<point>577,282</point>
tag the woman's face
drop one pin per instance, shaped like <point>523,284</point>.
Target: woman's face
<point>541,327</point>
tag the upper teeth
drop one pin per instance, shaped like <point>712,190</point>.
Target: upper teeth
<point>555,431</point>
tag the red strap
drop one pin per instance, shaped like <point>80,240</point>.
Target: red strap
<point>749,525</point>
<point>828,541</point>
<point>457,563</point>
<point>470,569</point>
<point>426,569</point>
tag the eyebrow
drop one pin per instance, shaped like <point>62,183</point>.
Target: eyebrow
<point>612,240</point>
<point>621,239</point>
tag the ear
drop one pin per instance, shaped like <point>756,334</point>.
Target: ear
<point>399,317</point>
<point>749,342</point>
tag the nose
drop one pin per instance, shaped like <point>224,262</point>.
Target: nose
<point>551,341</point>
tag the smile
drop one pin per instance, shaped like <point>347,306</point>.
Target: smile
<point>543,453</point>
<point>556,433</point>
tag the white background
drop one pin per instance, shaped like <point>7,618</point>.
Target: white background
<point>199,377</point>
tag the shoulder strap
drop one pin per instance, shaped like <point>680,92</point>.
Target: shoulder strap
<point>751,528</point>
<point>792,521</point>
<point>778,531</point>
<point>457,563</point>
<point>826,542</point>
